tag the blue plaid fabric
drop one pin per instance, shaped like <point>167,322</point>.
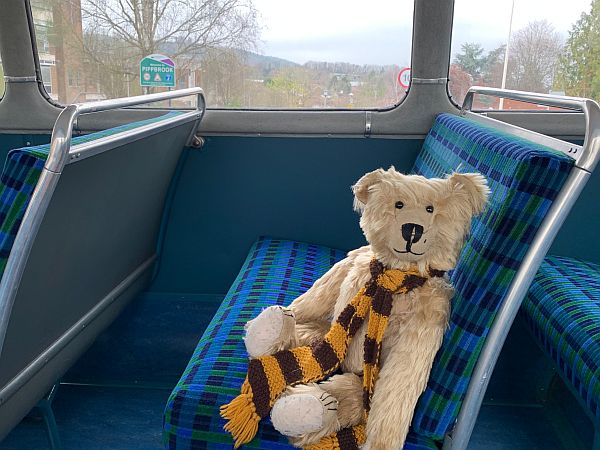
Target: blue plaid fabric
<point>524,179</point>
<point>275,273</point>
<point>20,176</point>
<point>562,309</point>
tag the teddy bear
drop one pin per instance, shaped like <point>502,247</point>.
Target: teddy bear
<point>344,364</point>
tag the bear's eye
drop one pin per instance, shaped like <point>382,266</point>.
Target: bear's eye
<point>399,205</point>
<point>429,209</point>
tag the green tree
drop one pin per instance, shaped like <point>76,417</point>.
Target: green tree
<point>491,71</point>
<point>471,59</point>
<point>579,65</point>
<point>291,86</point>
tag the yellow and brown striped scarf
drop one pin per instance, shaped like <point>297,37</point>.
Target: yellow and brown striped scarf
<point>269,376</point>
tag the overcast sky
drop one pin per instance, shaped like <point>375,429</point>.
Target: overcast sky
<point>379,31</point>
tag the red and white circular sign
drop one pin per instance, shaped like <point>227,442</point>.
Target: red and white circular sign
<point>404,77</point>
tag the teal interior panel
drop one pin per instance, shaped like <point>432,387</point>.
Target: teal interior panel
<point>579,236</point>
<point>149,344</point>
<point>235,189</point>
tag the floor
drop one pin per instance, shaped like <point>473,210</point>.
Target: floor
<point>114,400</point>
<point>94,418</point>
<point>124,418</point>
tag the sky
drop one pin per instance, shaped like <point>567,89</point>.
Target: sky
<point>380,31</point>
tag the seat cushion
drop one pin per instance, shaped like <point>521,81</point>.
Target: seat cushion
<point>524,179</point>
<point>20,175</point>
<point>275,273</point>
<point>562,309</point>
<point>416,442</point>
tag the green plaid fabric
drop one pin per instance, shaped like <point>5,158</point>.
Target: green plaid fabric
<point>275,273</point>
<point>562,309</point>
<point>20,176</point>
<point>524,179</point>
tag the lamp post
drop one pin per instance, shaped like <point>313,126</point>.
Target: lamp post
<point>505,69</point>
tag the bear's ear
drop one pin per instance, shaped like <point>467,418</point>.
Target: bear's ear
<point>471,187</point>
<point>361,188</point>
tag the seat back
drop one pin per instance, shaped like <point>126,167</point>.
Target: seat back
<point>93,251</point>
<point>524,179</point>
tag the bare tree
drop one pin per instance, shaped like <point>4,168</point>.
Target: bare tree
<point>116,34</point>
<point>224,77</point>
<point>186,26</point>
<point>533,58</point>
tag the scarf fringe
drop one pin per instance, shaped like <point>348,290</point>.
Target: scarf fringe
<point>241,415</point>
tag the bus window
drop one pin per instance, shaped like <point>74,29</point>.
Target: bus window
<point>1,79</point>
<point>547,44</point>
<point>244,53</point>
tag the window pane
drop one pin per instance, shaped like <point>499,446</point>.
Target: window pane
<point>553,47</point>
<point>243,53</point>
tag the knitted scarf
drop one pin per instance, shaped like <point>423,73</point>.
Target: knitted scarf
<point>269,376</point>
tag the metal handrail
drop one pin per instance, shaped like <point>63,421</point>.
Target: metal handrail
<point>58,157</point>
<point>459,438</point>
<point>590,108</point>
<point>63,128</point>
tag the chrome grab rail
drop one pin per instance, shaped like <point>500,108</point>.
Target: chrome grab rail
<point>58,157</point>
<point>458,438</point>
<point>588,158</point>
<point>63,128</point>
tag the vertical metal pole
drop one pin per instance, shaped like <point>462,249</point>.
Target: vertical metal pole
<point>505,69</point>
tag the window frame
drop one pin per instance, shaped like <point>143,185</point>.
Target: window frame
<point>250,109</point>
<point>29,108</point>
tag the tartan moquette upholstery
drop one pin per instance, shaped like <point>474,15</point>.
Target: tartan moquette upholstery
<point>562,309</point>
<point>524,179</point>
<point>20,175</point>
<point>275,273</point>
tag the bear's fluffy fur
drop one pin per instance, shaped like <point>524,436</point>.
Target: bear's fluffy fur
<point>387,201</point>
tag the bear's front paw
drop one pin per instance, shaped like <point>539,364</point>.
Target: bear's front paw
<point>299,414</point>
<point>272,330</point>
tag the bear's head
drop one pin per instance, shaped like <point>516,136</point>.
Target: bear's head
<point>410,219</point>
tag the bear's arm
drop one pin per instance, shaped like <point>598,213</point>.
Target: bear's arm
<point>319,301</point>
<point>405,370</point>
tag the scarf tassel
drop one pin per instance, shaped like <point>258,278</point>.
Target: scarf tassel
<point>241,415</point>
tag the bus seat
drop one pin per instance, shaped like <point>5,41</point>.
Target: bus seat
<point>562,309</point>
<point>93,252</point>
<point>20,175</point>
<point>524,178</point>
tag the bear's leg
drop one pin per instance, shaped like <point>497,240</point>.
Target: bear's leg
<point>347,388</point>
<point>309,412</point>
<point>304,410</point>
<point>274,329</point>
<point>307,333</point>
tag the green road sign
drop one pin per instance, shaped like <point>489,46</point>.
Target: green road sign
<point>157,70</point>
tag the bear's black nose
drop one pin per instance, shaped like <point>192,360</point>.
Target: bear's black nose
<point>411,232</point>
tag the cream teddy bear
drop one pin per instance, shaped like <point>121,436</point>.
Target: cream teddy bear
<point>414,226</point>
